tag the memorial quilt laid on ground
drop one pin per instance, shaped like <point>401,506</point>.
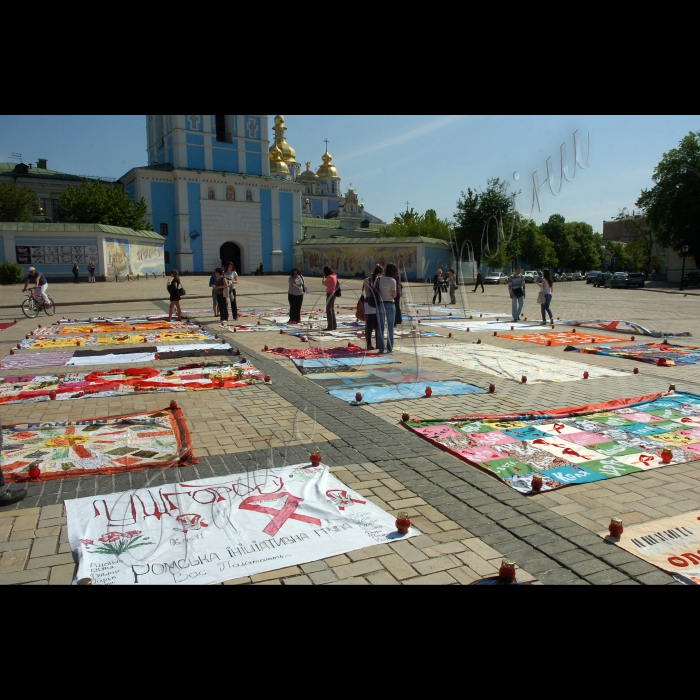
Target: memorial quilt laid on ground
<point>212,530</point>
<point>622,327</point>
<point>480,326</point>
<point>87,340</point>
<point>378,393</point>
<point>119,382</point>
<point>138,326</point>
<point>659,354</point>
<point>511,364</point>
<point>45,451</point>
<point>672,544</point>
<point>561,338</point>
<point>576,444</point>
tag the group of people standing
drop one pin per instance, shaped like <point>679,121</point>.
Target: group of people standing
<point>441,283</point>
<point>223,291</point>
<point>517,291</point>
<point>76,272</point>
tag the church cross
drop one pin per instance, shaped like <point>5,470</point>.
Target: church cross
<point>326,140</point>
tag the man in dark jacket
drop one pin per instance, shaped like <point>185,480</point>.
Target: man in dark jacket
<point>479,281</point>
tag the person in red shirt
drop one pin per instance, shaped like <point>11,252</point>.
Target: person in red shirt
<point>330,279</point>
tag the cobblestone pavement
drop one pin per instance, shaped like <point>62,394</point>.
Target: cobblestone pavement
<point>469,519</point>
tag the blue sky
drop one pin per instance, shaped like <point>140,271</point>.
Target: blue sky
<point>427,160</point>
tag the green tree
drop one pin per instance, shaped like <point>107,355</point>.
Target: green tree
<point>17,202</point>
<point>484,218</point>
<point>536,249</point>
<point>673,204</point>
<point>411,223</point>
<point>576,245</point>
<point>97,202</point>
<point>619,252</point>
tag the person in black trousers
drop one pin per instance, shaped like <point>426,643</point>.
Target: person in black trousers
<point>437,286</point>
<point>76,273</point>
<point>479,281</point>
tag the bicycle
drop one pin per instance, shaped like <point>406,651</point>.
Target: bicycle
<point>35,303</point>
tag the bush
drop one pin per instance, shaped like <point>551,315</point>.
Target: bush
<point>11,273</point>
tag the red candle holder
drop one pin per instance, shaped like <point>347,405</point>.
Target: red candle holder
<point>478,341</point>
<point>585,375</point>
<point>536,483</point>
<point>267,378</point>
<point>358,397</point>
<point>498,319</point>
<point>34,472</point>
<point>405,416</point>
<point>631,337</point>
<point>243,360</point>
<point>234,329</point>
<point>480,315</point>
<point>173,404</point>
<point>495,332</point>
<point>468,329</point>
<point>238,351</point>
<point>549,342</point>
<point>217,336</point>
<point>19,346</point>
<point>12,352</point>
<point>281,332</point>
<point>507,571</point>
<point>492,388</point>
<point>52,395</point>
<point>615,528</point>
<point>266,348</point>
<point>315,459</point>
<point>635,370</point>
<point>671,387</point>
<point>428,391</point>
<point>403,523</point>
<point>449,335</point>
<point>666,456</point>
<point>184,456</point>
<point>523,379</point>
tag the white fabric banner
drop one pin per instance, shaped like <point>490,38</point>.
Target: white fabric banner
<point>212,530</point>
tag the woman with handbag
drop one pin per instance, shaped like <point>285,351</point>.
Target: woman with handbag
<point>330,279</point>
<point>370,297</point>
<point>232,276</point>
<point>174,289</point>
<point>295,294</point>
<point>544,298</point>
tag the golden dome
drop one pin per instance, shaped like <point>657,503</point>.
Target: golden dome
<point>327,169</point>
<point>288,153</point>
<point>277,165</point>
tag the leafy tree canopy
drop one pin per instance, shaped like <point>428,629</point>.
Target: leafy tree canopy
<point>96,202</point>
<point>411,223</point>
<point>17,202</point>
<point>673,203</point>
<point>576,245</point>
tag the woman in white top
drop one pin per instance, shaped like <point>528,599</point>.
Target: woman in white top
<point>386,310</point>
<point>370,310</point>
<point>546,285</point>
<point>232,276</point>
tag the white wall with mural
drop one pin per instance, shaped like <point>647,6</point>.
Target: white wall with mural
<point>123,256</point>
<point>355,260</point>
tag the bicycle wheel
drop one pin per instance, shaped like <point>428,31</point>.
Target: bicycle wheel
<point>50,310</point>
<point>30,308</point>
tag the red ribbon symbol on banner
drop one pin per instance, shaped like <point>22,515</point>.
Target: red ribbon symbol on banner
<point>646,459</point>
<point>573,453</point>
<point>281,515</point>
<point>558,427</point>
<point>540,441</point>
<point>341,499</point>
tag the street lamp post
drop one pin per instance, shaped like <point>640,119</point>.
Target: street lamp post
<point>685,252</point>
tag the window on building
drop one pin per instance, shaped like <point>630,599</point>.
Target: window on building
<point>166,257</point>
<point>230,193</point>
<point>164,229</point>
<point>222,133</point>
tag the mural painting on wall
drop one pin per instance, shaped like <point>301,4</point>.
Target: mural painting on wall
<point>123,257</point>
<point>358,261</point>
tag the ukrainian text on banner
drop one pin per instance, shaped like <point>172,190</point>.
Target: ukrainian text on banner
<point>211,530</point>
<point>672,544</point>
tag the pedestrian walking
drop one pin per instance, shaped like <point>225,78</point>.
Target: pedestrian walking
<point>516,288</point>
<point>174,288</point>
<point>330,279</point>
<point>91,271</point>
<point>437,286</point>
<point>393,271</point>
<point>76,273</point>
<point>295,294</point>
<point>232,276</point>
<point>479,281</point>
<point>386,310</point>
<point>215,306</point>
<point>371,300</point>
<point>544,298</point>
<point>221,287</point>
<point>452,282</point>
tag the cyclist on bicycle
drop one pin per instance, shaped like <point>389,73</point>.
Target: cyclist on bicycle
<point>39,281</point>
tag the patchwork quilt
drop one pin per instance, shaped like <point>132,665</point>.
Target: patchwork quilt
<point>561,338</point>
<point>96,446</point>
<point>575,444</point>
<point>659,354</point>
<point>623,327</point>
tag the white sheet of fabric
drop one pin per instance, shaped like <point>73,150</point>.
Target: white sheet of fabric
<point>511,364</point>
<point>141,356</point>
<point>481,326</point>
<point>206,531</point>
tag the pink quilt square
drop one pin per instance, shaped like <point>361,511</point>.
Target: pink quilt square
<point>584,438</point>
<point>438,431</point>
<point>695,447</point>
<point>482,454</point>
<point>693,432</point>
<point>492,437</point>
<point>642,417</point>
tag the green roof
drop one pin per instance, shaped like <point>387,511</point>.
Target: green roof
<point>78,228</point>
<point>370,241</point>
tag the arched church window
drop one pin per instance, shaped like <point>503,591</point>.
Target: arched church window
<point>231,193</point>
<point>248,196</point>
<point>211,193</point>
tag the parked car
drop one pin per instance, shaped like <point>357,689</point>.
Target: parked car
<point>692,278</point>
<point>590,277</point>
<point>529,276</point>
<point>569,277</point>
<point>635,279</point>
<point>577,276</point>
<point>617,281</point>
<point>601,279</point>
<point>556,276</point>
<point>496,278</point>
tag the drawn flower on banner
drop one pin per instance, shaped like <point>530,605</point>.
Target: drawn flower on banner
<point>116,543</point>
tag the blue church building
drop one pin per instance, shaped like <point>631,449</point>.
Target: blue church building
<point>217,191</point>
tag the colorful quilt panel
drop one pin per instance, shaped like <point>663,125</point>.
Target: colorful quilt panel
<point>659,354</point>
